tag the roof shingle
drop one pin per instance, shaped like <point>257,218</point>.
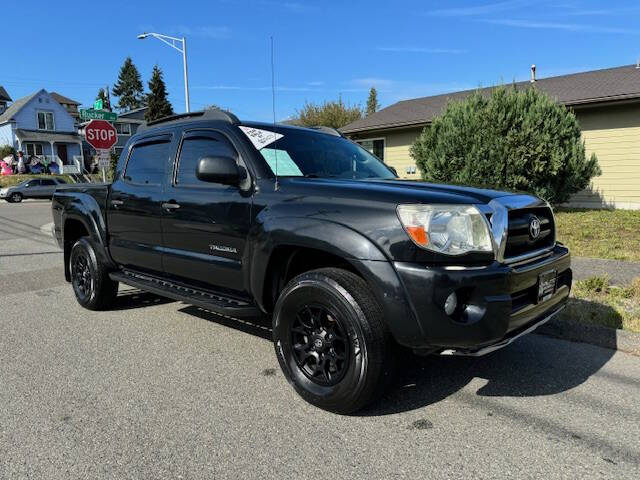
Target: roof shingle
<point>608,84</point>
<point>62,99</point>
<point>15,107</point>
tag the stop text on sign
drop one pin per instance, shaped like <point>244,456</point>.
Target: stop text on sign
<point>101,134</point>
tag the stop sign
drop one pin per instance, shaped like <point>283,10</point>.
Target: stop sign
<point>101,134</point>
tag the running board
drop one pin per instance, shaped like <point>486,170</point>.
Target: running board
<point>213,302</point>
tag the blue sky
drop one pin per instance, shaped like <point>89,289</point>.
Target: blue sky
<point>322,49</point>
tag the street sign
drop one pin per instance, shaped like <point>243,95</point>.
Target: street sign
<point>90,114</point>
<point>100,134</point>
<point>104,158</point>
<point>97,105</point>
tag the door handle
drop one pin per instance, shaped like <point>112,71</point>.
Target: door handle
<point>116,203</point>
<point>170,206</point>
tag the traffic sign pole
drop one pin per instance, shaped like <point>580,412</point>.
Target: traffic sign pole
<point>104,161</point>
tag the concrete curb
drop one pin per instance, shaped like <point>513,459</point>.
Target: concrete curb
<point>571,330</point>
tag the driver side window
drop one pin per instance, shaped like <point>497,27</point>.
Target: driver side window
<point>196,146</point>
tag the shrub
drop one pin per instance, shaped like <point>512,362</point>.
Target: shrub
<point>335,114</point>
<point>509,140</point>
<point>6,150</point>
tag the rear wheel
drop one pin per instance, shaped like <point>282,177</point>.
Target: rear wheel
<point>331,341</point>
<point>90,280</point>
<point>16,197</point>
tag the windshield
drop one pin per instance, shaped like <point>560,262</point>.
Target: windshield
<point>300,153</point>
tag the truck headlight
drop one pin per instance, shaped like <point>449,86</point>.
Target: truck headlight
<point>448,229</point>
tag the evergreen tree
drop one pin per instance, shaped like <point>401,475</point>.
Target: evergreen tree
<point>509,140</point>
<point>157,102</point>
<point>372,102</point>
<point>128,88</point>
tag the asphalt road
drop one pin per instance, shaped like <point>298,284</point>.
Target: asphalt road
<point>159,389</point>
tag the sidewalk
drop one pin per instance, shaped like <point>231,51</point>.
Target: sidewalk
<point>619,272</point>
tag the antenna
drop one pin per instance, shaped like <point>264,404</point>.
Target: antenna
<point>273,100</point>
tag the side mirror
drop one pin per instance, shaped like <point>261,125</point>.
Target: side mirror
<point>218,170</point>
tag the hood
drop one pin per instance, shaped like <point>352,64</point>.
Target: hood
<point>396,191</point>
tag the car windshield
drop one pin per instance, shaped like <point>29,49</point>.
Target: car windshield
<point>303,153</point>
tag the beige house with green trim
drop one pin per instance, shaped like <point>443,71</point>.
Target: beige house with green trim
<point>606,103</point>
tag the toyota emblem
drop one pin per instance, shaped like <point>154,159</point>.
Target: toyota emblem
<point>534,227</point>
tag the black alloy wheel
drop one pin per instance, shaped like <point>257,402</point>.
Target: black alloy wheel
<point>320,344</point>
<point>82,279</point>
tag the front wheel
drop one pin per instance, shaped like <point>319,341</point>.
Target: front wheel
<point>92,286</point>
<point>331,340</point>
<point>16,197</point>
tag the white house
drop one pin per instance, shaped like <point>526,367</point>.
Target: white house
<point>38,125</point>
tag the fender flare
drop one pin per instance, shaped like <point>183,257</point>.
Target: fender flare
<point>365,257</point>
<point>86,210</point>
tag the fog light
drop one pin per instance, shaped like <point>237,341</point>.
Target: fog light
<point>450,304</point>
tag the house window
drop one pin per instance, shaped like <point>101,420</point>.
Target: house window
<point>373,145</point>
<point>45,121</point>
<point>33,149</point>
<point>123,128</point>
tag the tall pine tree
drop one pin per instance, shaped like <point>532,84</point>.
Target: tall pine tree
<point>128,88</point>
<point>158,104</point>
<point>372,102</point>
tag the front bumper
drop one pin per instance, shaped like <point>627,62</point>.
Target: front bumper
<point>499,302</point>
<point>4,193</point>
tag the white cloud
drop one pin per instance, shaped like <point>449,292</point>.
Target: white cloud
<point>371,82</point>
<point>479,9</point>
<point>570,27</point>
<point>448,51</point>
<point>248,88</point>
<point>295,7</point>
<point>203,31</point>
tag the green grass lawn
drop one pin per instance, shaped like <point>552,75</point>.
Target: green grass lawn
<point>11,180</point>
<point>594,301</point>
<point>613,234</point>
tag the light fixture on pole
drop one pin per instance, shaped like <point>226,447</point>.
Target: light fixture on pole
<point>172,42</point>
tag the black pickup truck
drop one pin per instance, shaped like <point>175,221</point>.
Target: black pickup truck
<point>304,226</point>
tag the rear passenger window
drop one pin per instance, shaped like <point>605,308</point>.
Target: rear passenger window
<point>196,146</point>
<point>147,163</point>
<point>48,182</point>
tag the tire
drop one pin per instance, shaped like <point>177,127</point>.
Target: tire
<point>90,280</point>
<point>344,361</point>
<point>16,197</point>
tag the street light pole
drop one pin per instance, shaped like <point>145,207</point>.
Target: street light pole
<point>186,76</point>
<point>172,41</point>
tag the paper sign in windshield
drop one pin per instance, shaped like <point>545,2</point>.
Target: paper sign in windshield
<point>281,163</point>
<point>260,138</point>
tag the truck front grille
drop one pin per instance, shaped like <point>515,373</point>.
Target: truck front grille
<point>520,238</point>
